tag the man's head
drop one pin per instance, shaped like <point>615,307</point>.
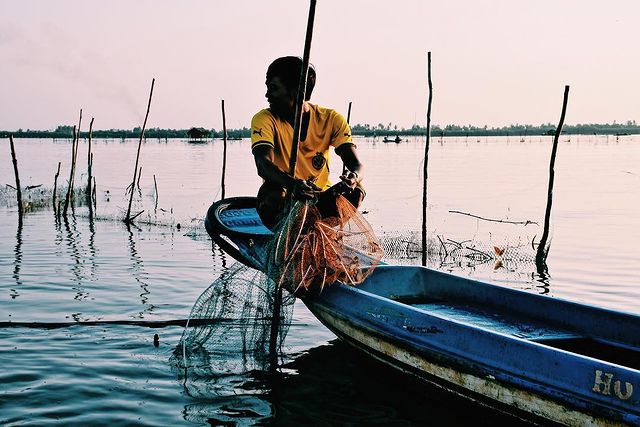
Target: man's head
<point>283,75</point>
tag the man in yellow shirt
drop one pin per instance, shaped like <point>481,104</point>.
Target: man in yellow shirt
<point>322,128</point>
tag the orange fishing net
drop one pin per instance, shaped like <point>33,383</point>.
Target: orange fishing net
<point>309,252</point>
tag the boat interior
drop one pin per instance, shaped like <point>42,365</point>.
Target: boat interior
<point>585,330</point>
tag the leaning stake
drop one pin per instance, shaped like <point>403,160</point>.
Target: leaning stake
<point>426,162</point>
<point>128,218</point>
<point>15,171</point>
<point>543,246</point>
<point>302,92</point>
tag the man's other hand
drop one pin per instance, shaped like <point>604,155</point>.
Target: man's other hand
<point>304,190</point>
<point>350,179</point>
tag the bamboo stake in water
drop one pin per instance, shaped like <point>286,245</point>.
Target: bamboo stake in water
<point>89,164</point>
<point>128,218</point>
<point>543,246</point>
<point>224,150</point>
<point>95,193</point>
<point>138,181</point>
<point>55,189</point>
<point>67,197</point>
<point>426,162</point>
<point>302,91</point>
<point>15,171</point>
<point>155,185</point>
<point>75,160</point>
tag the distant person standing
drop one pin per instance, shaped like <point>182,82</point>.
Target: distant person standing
<point>321,128</point>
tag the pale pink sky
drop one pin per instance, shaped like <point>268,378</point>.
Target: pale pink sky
<point>494,62</point>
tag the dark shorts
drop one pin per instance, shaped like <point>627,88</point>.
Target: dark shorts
<point>272,202</point>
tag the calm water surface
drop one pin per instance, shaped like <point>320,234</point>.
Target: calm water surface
<point>55,276</point>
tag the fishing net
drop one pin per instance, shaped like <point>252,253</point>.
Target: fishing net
<point>229,326</point>
<point>310,251</point>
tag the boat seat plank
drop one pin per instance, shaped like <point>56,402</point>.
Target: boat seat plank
<point>244,221</point>
<point>495,321</point>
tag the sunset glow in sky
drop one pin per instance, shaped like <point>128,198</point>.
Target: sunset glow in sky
<point>494,62</point>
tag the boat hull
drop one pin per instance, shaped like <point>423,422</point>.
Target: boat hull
<point>530,355</point>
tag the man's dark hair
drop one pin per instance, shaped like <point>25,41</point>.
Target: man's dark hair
<point>288,69</point>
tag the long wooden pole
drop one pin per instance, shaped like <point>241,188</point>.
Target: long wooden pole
<point>224,150</point>
<point>302,92</point>
<point>15,171</point>
<point>128,218</point>
<point>426,162</point>
<point>543,246</point>
<point>344,167</point>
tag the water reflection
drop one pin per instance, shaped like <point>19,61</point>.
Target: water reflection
<point>74,243</point>
<point>138,272</point>
<point>17,262</point>
<point>332,383</point>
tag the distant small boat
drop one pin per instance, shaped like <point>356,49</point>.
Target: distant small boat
<point>397,139</point>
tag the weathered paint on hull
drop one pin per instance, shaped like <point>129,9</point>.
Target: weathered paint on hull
<point>520,401</point>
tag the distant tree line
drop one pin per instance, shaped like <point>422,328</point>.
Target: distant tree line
<point>628,127</point>
<point>64,132</point>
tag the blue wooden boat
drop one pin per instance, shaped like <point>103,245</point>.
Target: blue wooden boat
<point>539,358</point>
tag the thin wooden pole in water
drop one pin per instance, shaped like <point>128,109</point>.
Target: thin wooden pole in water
<point>15,171</point>
<point>95,193</point>
<point>67,197</point>
<point>155,185</point>
<point>89,195</point>
<point>302,91</point>
<point>89,164</point>
<point>55,189</point>
<point>426,162</point>
<point>138,180</point>
<point>75,159</point>
<point>543,246</point>
<point>128,218</point>
<point>224,150</point>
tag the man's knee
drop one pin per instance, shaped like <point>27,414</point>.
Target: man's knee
<point>270,204</point>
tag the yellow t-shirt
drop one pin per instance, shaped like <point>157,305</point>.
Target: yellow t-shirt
<point>327,128</point>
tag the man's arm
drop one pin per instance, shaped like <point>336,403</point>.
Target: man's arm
<point>349,156</point>
<point>263,156</point>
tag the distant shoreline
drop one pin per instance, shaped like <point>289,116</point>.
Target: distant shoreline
<point>629,128</point>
